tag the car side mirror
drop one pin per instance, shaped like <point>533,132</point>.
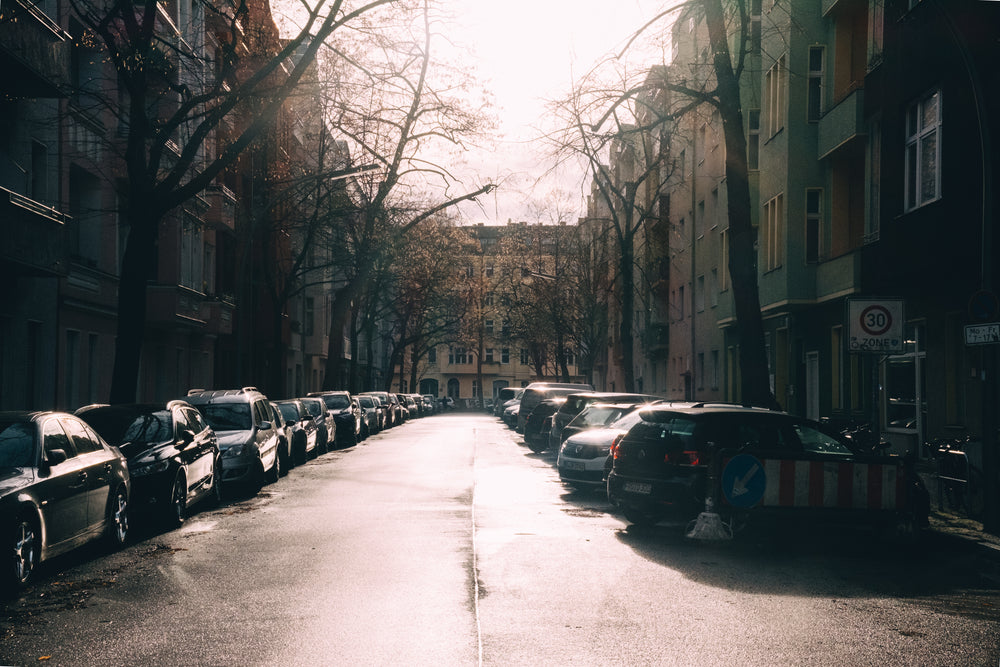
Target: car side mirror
<point>55,456</point>
<point>265,425</point>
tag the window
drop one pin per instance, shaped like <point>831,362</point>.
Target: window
<point>814,223</point>
<point>875,184</point>
<point>923,151</point>
<point>489,326</point>
<point>309,316</point>
<point>753,139</point>
<point>724,260</point>
<point>525,357</point>
<point>475,389</point>
<point>680,302</point>
<point>488,355</point>
<point>771,235</point>
<point>489,270</point>
<point>488,300</point>
<point>570,357</point>
<point>814,102</point>
<point>699,294</point>
<point>876,23</point>
<point>713,372</point>
<point>504,355</point>
<point>469,271</point>
<point>755,27</point>
<point>774,97</point>
<point>700,370</point>
<point>432,355</point>
<point>713,288</point>
<point>39,171</point>
<point>457,356</point>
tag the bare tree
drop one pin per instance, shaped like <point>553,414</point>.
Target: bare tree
<point>390,109</point>
<point>172,97</point>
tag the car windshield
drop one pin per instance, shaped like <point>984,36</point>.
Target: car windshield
<point>288,411</point>
<point>598,416</point>
<point>227,416</point>
<point>337,402</point>
<point>313,407</point>
<point>17,444</point>
<point>120,426</point>
<point>366,402</point>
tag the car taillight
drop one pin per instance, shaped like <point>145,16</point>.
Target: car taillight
<point>614,445</point>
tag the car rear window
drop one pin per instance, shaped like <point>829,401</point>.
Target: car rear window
<point>337,402</point>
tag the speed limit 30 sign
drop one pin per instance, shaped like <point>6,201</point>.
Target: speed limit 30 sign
<point>875,325</point>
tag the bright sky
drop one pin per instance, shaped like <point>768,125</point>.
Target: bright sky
<point>527,52</point>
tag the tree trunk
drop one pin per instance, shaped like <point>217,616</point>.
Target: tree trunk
<point>756,386</point>
<point>137,263</point>
<point>628,307</point>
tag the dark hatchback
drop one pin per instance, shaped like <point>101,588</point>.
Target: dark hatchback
<point>61,486</point>
<point>173,454</point>
<point>767,466</point>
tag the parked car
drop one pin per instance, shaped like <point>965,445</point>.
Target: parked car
<point>599,415</point>
<point>538,424</point>
<point>346,416</point>
<point>326,428</point>
<point>511,412</point>
<point>536,392</point>
<point>390,407</point>
<point>769,465</point>
<point>304,432</point>
<point>502,397</point>
<point>409,405</point>
<point>415,404</point>
<point>284,438</point>
<point>248,439</point>
<point>382,408</point>
<point>173,454</point>
<point>583,456</point>
<point>430,404</point>
<point>575,403</point>
<point>62,486</point>
<point>370,415</point>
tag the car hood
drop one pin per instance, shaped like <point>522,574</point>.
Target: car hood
<point>135,450</point>
<point>14,479</point>
<point>230,438</point>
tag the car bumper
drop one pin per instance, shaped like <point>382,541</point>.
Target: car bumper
<point>581,471</point>
<point>675,498</point>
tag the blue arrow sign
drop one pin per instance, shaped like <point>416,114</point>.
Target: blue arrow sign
<point>744,481</point>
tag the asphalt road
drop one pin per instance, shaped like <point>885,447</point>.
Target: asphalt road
<point>447,542</point>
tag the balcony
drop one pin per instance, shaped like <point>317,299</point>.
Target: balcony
<point>174,305</point>
<point>221,214</point>
<point>34,236</point>
<point>656,340</point>
<point>843,123</point>
<point>218,313</point>
<point>34,52</point>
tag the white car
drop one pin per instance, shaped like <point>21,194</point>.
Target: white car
<point>583,455</point>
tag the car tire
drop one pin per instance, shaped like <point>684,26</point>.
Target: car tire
<point>536,445</point>
<point>285,454</point>
<point>176,509</point>
<point>274,473</point>
<point>24,553</point>
<point>217,494</point>
<point>642,518</point>
<point>299,449</point>
<point>117,519</point>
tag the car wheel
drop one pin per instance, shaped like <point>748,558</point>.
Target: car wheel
<point>177,508</point>
<point>275,472</point>
<point>641,517</point>
<point>118,509</point>
<point>537,445</point>
<point>285,452</point>
<point>25,549</point>
<point>217,494</point>
<point>299,449</point>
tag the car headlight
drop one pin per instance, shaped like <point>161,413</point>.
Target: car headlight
<point>149,468</point>
<point>233,452</point>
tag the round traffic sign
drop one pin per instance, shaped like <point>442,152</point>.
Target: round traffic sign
<point>876,320</point>
<point>744,481</point>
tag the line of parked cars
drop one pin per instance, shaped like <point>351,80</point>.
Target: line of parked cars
<point>660,460</point>
<point>69,479</point>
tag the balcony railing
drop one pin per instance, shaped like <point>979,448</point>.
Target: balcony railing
<point>35,238</point>
<point>221,212</point>
<point>34,52</point>
<point>842,123</point>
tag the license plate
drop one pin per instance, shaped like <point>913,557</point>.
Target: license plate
<point>638,487</point>
<point>573,465</point>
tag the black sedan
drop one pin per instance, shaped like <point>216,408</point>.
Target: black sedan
<point>172,452</point>
<point>61,485</point>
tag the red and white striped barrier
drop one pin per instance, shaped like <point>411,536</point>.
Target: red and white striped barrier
<point>834,485</point>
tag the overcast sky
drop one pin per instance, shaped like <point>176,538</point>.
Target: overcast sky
<point>529,51</point>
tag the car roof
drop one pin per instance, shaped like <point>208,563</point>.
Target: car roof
<point>198,396</point>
